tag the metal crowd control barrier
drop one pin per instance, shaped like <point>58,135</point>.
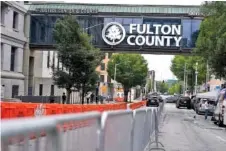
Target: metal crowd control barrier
<point>61,133</point>
<point>111,131</point>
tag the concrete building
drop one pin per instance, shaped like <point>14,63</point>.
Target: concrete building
<point>13,42</point>
<point>105,87</point>
<point>40,74</point>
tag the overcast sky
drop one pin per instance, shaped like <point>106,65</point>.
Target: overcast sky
<point>159,63</point>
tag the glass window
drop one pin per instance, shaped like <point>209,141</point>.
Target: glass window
<point>2,55</point>
<point>119,20</point>
<point>12,59</point>
<point>48,59</point>
<point>108,79</point>
<point>33,30</point>
<point>101,78</point>
<point>40,89</point>
<point>3,7</point>
<point>53,60</point>
<point>15,90</point>
<point>190,32</point>
<point>137,20</point>
<point>108,20</point>
<point>42,33</point>
<point>126,28</point>
<point>102,66</point>
<point>52,90</point>
<point>127,21</point>
<point>15,20</point>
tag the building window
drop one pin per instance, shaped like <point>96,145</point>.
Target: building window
<point>2,55</point>
<point>40,89</point>
<point>33,30</point>
<point>102,66</point>
<point>3,8</point>
<point>109,79</point>
<point>42,33</point>
<point>12,59</point>
<point>53,60</point>
<point>15,90</point>
<point>15,20</point>
<point>48,59</point>
<point>52,90</point>
<point>101,78</point>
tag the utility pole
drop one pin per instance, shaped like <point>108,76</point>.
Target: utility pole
<point>196,77</point>
<point>184,78</point>
<point>115,78</point>
<point>207,75</point>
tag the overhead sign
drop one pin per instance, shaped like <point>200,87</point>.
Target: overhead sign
<point>143,34</point>
<point>72,11</point>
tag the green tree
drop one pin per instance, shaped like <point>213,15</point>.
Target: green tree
<point>131,70</point>
<point>211,42</point>
<point>178,66</point>
<point>161,86</point>
<point>77,56</point>
<point>175,88</point>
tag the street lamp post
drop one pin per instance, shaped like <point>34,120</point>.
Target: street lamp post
<point>196,77</point>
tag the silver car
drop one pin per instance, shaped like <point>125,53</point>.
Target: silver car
<point>200,106</point>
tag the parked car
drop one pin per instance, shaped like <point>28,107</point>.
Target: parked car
<point>155,95</point>
<point>200,106</point>
<point>193,102</point>
<point>172,99</point>
<point>219,113</point>
<point>160,99</point>
<point>183,101</point>
<point>152,102</point>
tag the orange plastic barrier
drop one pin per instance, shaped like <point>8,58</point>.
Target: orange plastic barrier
<point>118,99</point>
<point>137,105</point>
<point>16,110</point>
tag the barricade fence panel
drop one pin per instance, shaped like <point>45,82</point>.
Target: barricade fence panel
<point>139,129</point>
<point>117,129</point>
<point>110,131</point>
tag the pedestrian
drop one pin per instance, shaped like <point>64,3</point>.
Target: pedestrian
<point>87,98</point>
<point>97,99</point>
<point>101,99</point>
<point>64,98</point>
<point>91,97</point>
<point>206,106</point>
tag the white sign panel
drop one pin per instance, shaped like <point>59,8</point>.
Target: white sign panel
<point>143,34</point>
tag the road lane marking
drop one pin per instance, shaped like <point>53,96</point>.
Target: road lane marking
<point>220,138</point>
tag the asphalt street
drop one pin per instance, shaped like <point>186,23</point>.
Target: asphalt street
<point>180,131</point>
